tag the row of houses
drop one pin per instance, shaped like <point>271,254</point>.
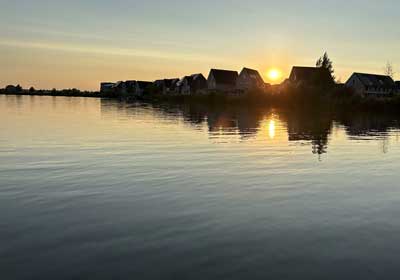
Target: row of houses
<point>218,80</point>
<point>249,79</point>
<point>362,83</point>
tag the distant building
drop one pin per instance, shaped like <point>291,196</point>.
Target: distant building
<point>107,87</point>
<point>142,87</point>
<point>192,84</point>
<point>120,87</point>
<point>313,76</point>
<point>397,86</point>
<point>222,80</point>
<point>130,86</point>
<point>166,86</point>
<point>250,79</point>
<point>371,84</point>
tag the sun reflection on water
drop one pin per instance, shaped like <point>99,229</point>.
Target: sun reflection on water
<point>271,129</point>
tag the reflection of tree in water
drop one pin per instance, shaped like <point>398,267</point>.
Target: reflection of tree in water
<point>313,126</point>
<point>310,126</point>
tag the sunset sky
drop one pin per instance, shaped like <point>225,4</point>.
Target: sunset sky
<point>77,43</point>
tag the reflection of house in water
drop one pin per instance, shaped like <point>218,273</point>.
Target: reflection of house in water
<point>243,122</point>
<point>360,126</point>
<point>313,128</point>
<point>371,127</point>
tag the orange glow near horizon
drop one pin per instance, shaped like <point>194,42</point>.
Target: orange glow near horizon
<point>274,74</point>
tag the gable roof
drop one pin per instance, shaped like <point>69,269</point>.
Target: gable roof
<point>197,76</point>
<point>226,77</point>
<point>143,84</point>
<point>375,80</point>
<point>310,74</point>
<point>253,74</point>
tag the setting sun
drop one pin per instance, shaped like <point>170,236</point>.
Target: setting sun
<point>274,74</point>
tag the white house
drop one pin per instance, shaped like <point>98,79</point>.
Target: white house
<point>372,84</point>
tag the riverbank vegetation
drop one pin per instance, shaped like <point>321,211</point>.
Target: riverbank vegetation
<point>335,97</point>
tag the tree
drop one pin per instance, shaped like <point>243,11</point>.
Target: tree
<point>32,90</point>
<point>388,70</point>
<point>325,62</point>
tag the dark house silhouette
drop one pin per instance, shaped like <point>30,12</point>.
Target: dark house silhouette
<point>313,76</point>
<point>397,86</point>
<point>107,87</point>
<point>142,87</point>
<point>371,84</point>
<point>166,86</point>
<point>222,80</point>
<point>192,84</point>
<point>250,79</point>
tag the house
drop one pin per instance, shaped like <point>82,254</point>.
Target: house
<point>166,86</point>
<point>371,84</point>
<point>312,76</point>
<point>222,80</point>
<point>130,86</point>
<point>107,87</point>
<point>142,87</point>
<point>192,84</point>
<point>120,87</point>
<point>397,86</point>
<point>250,79</point>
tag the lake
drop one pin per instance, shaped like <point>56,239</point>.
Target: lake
<point>101,189</point>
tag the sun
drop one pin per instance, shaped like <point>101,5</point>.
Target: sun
<point>274,74</point>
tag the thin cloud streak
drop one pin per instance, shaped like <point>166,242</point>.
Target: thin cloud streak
<point>109,51</point>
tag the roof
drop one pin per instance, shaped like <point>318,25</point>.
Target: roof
<point>375,80</point>
<point>166,82</point>
<point>197,76</point>
<point>253,74</point>
<point>143,84</point>
<point>224,76</point>
<point>315,74</point>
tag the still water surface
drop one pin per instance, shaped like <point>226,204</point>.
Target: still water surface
<point>99,189</point>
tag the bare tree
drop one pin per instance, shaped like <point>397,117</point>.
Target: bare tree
<point>388,70</point>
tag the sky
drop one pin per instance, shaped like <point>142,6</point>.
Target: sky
<point>78,44</point>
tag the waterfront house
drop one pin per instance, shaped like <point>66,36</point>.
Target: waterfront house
<point>107,87</point>
<point>397,87</point>
<point>310,76</point>
<point>130,86</point>
<point>222,80</point>
<point>372,84</point>
<point>142,87</point>
<point>250,79</point>
<point>166,86</point>
<point>120,87</point>
<point>192,84</point>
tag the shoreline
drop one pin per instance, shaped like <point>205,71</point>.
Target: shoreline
<point>332,99</point>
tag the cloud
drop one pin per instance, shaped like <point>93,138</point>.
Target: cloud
<point>111,51</point>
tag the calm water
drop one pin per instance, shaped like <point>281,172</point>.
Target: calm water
<point>97,189</point>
